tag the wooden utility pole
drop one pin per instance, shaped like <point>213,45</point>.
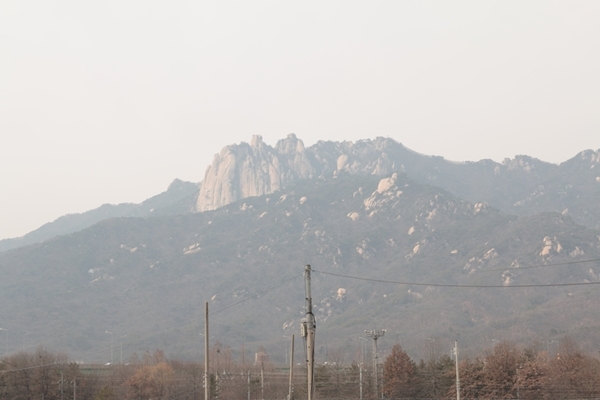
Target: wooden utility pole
<point>308,332</point>
<point>206,374</point>
<point>291,386</point>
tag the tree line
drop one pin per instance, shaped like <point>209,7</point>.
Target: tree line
<point>45,375</point>
<point>504,371</point>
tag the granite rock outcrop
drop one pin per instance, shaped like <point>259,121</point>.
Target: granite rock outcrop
<point>254,169</point>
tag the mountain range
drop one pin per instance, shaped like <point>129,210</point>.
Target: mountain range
<point>416,244</point>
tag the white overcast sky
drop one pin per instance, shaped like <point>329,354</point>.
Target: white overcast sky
<point>109,101</point>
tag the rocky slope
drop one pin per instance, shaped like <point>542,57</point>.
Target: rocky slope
<point>246,170</point>
<point>148,278</point>
<point>522,186</point>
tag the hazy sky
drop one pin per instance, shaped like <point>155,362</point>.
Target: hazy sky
<point>109,101</point>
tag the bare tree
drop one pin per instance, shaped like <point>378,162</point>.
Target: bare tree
<point>399,372</point>
<point>43,375</point>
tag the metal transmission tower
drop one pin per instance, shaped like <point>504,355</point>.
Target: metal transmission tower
<point>308,333</point>
<point>375,334</point>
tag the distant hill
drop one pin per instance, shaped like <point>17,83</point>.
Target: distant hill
<point>520,186</point>
<point>179,198</point>
<point>148,278</point>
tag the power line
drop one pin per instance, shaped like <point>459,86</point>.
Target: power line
<point>256,295</point>
<point>456,285</point>
<point>538,266</point>
<point>165,330</point>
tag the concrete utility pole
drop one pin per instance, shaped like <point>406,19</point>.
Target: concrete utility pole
<point>206,374</point>
<point>24,341</point>
<point>548,343</point>
<point>308,333</point>
<point>360,366</point>
<point>248,384</point>
<point>375,334</point>
<point>262,381</point>
<point>455,351</point>
<point>6,350</point>
<point>360,369</point>
<point>291,386</point>
<point>111,347</point>
<point>518,382</point>
<point>121,338</point>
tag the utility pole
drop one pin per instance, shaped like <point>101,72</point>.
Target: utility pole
<point>248,384</point>
<point>375,334</point>
<point>455,351</point>
<point>360,366</point>
<point>217,384</point>
<point>308,333</point>
<point>291,386</point>
<point>206,374</point>
<point>518,383</point>
<point>360,369</point>
<point>6,350</point>
<point>548,343</point>
<point>111,347</point>
<point>262,381</point>
<point>122,348</point>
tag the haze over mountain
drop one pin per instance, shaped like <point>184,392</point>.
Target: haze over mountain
<point>520,186</point>
<point>370,209</point>
<point>177,199</point>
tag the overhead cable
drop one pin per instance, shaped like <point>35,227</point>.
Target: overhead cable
<point>457,285</point>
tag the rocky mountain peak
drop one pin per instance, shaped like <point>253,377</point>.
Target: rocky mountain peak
<point>293,154</point>
<point>257,142</point>
<point>290,145</point>
<point>243,170</point>
<point>524,163</point>
<point>239,171</point>
<point>591,156</point>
